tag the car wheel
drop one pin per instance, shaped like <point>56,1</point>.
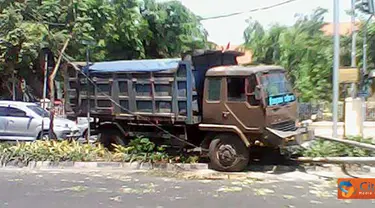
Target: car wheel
<point>228,153</point>
<point>45,136</point>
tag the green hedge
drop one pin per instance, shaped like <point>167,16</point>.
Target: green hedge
<point>139,149</point>
<point>323,148</point>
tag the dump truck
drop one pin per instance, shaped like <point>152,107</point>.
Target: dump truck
<point>204,99</point>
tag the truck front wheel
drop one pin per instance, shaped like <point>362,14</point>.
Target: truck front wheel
<point>228,153</point>
<point>108,137</point>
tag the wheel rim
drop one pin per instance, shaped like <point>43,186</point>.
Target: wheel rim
<point>226,154</point>
<point>45,137</point>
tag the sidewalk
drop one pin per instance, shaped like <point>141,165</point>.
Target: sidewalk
<point>324,128</point>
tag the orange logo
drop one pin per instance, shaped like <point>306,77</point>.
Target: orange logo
<point>356,188</point>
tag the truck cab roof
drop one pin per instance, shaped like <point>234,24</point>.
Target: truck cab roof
<point>236,70</point>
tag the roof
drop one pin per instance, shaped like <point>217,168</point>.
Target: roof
<point>246,56</point>
<point>14,103</point>
<point>345,28</point>
<point>148,65</point>
<point>210,52</point>
<point>241,70</point>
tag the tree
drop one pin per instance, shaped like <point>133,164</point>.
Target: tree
<point>173,29</point>
<point>121,29</point>
<point>302,49</point>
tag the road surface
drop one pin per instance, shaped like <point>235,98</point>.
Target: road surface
<point>62,188</point>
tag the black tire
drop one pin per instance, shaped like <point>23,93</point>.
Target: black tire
<point>228,153</point>
<point>46,136</point>
<point>107,137</point>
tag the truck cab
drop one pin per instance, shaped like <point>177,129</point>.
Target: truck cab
<point>254,104</point>
<point>251,98</point>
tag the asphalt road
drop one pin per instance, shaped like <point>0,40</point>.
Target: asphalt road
<point>61,188</point>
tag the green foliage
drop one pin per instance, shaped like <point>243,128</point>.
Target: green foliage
<point>52,151</point>
<point>302,49</point>
<point>120,29</point>
<point>322,148</point>
<point>139,149</point>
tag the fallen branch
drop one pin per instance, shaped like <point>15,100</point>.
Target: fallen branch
<point>338,160</point>
<point>348,142</point>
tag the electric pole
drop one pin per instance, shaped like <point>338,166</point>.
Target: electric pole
<point>353,52</point>
<point>336,63</point>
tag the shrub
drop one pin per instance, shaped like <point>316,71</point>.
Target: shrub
<point>323,148</point>
<point>139,149</point>
<point>52,151</point>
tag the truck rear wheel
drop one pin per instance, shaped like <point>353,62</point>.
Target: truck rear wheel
<point>108,137</point>
<point>228,153</point>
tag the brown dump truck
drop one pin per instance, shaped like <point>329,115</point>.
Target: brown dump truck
<point>205,99</point>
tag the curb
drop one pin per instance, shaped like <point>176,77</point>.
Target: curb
<point>187,167</point>
<point>110,165</point>
<point>340,168</point>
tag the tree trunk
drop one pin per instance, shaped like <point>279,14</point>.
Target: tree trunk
<point>52,87</point>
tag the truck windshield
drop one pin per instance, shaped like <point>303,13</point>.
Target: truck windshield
<point>39,110</point>
<point>277,88</point>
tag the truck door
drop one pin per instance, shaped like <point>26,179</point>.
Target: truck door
<point>213,100</point>
<point>241,108</point>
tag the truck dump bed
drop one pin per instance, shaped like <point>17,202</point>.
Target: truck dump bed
<point>158,89</point>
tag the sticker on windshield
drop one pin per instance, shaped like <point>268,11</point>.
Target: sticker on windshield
<point>281,99</point>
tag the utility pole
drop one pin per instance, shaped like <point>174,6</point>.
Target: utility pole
<point>44,90</point>
<point>88,43</point>
<point>88,95</point>
<point>353,52</point>
<point>13,85</point>
<point>336,63</point>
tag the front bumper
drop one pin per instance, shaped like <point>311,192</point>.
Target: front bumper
<point>67,133</point>
<point>291,139</point>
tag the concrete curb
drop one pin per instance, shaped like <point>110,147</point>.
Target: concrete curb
<point>187,167</point>
<point>340,168</point>
<point>111,165</point>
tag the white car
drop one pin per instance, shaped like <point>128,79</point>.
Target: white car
<point>23,121</point>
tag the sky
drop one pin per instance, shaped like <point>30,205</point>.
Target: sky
<point>230,29</point>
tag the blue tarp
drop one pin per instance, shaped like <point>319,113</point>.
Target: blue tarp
<point>150,65</point>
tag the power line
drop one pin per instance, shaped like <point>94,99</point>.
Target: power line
<point>249,11</point>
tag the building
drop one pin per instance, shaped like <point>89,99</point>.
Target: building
<point>345,28</point>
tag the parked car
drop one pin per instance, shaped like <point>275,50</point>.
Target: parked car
<point>23,121</point>
<point>83,124</point>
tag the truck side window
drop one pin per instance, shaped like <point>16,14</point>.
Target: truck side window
<point>236,89</point>
<point>251,91</point>
<point>214,87</point>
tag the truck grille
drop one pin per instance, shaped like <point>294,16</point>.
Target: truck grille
<point>285,126</point>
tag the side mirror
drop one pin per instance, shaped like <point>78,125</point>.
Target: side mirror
<point>257,92</point>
